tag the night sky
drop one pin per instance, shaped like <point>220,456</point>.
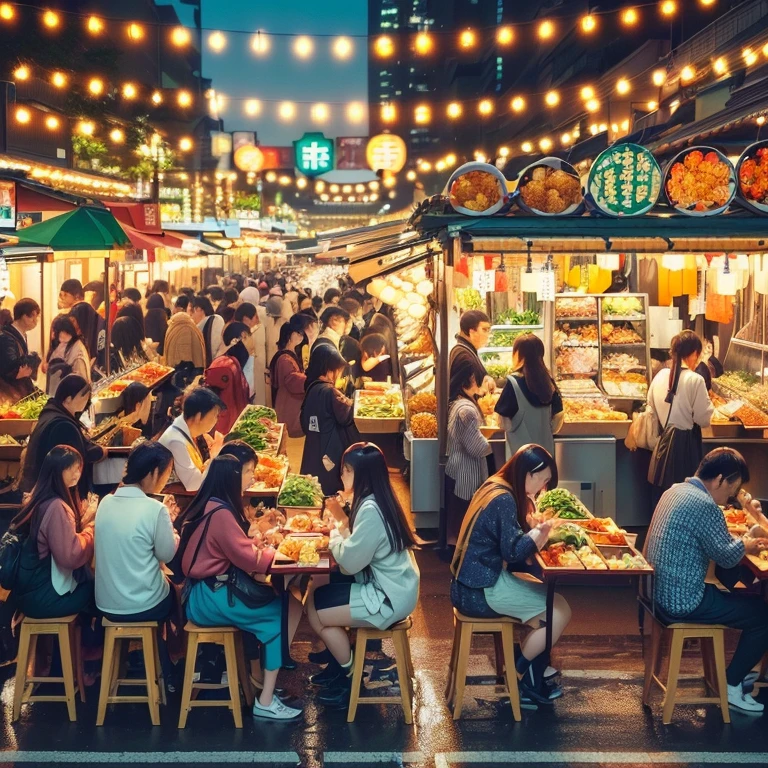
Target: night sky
<point>239,74</point>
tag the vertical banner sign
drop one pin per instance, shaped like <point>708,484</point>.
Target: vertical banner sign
<point>350,153</point>
<point>314,154</point>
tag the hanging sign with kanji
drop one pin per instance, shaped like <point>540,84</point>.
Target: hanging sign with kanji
<point>314,154</point>
<point>625,180</point>
<point>386,152</point>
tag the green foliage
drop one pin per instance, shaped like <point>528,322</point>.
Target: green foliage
<point>250,202</point>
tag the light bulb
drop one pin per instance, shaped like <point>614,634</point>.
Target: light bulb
<point>157,98</point>
<point>593,105</point>
<point>720,66</point>
<point>129,91</point>
<point>467,38</point>
<point>252,107</point>
<point>355,112</point>
<point>687,74</point>
<point>21,73</point>
<point>485,107</point>
<point>587,92</point>
<point>96,86</point>
<point>51,123</point>
<point>505,35</point>
<point>503,151</point>
<point>659,77</point>
<point>260,44</point>
<point>622,86</point>
<point>566,138</point>
<point>51,19</point>
<point>423,43</point>
<point>117,136</point>
<point>135,32</point>
<point>86,127</point>
<point>6,12</point>
<point>319,113</point>
<point>546,30</point>
<point>545,145</point>
<point>388,113</point>
<point>410,176</point>
<point>180,37</point>
<point>287,111</point>
<point>342,48</point>
<point>422,114</point>
<point>184,98</point>
<point>652,105</point>
<point>629,17</point>
<point>668,8</point>
<point>453,110</point>
<point>303,47</point>
<point>384,46</point>
<point>552,99</point>
<point>95,25</point>
<point>59,79</point>
<point>527,147</point>
<point>517,104</point>
<point>588,24</point>
<point>23,115</point>
<point>185,144</point>
<point>217,41</point>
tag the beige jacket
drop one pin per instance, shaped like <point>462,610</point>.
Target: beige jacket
<point>184,342</point>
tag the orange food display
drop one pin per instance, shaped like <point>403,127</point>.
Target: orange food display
<point>753,177</point>
<point>476,190</point>
<point>700,182</point>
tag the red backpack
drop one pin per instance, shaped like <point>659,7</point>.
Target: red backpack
<point>225,376</point>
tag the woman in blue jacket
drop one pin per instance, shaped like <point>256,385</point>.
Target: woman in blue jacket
<point>498,529</point>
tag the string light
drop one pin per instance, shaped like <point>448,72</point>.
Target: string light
<point>592,105</point>
<point>388,113</point>
<point>355,112</point>
<point>480,156</point>
<point>760,120</point>
<point>129,91</point>
<point>21,73</point>
<point>593,129</point>
<point>411,176</point>
<point>425,166</point>
<point>180,37</point>
<point>157,98</point>
<point>185,144</point>
<point>217,42</point>
<point>6,12</point>
<point>23,115</point>
<point>503,151</point>
<point>301,183</point>
<point>505,35</point>
<point>319,113</point>
<point>252,107</point>
<point>467,39</point>
<point>59,79</point>
<point>286,111</point>
<point>423,43</point>
<point>659,77</point>
<point>135,32</point>
<point>687,74</point>
<point>117,136</point>
<point>765,50</point>
<point>96,86</point>
<point>51,19</point>
<point>86,127</point>
<point>629,17</point>
<point>527,147</point>
<point>750,57</point>
<point>552,99</point>
<point>450,160</point>
<point>485,107</point>
<point>260,44</point>
<point>94,25</point>
<point>587,93</point>
<point>706,3</point>
<point>652,105</point>
<point>51,122</point>
<point>625,125</point>
<point>303,47</point>
<point>517,104</point>
<point>546,30</point>
<point>342,48</point>
<point>545,145</point>
<point>271,177</point>
<point>622,86</point>
<point>588,24</point>
<point>184,98</point>
<point>453,110</point>
<point>422,114</point>
<point>668,8</point>
<point>566,138</point>
<point>603,128</point>
<point>384,46</point>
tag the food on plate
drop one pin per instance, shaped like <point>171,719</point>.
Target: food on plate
<point>309,555</point>
<point>424,402</point>
<point>623,306</point>
<point>269,472</point>
<point>621,361</point>
<point>700,182</point>
<point>424,425</point>
<point>613,539</point>
<point>303,550</point>
<point>300,491</point>
<point>591,560</point>
<point>28,408</point>
<point>620,334</point>
<point>560,555</point>
<point>381,405</point>
<point>583,334</point>
<point>565,505</point>
<point>476,190</point>
<point>513,317</point>
<point>753,177</point>
<point>582,409</point>
<point>551,190</point>
<point>620,384</point>
<point>750,416</point>
<point>577,360</point>
<point>627,562</point>
<point>258,427</point>
<point>584,306</point>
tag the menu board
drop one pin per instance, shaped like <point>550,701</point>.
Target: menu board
<point>625,180</point>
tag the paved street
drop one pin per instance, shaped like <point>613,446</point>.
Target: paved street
<point>599,720</point>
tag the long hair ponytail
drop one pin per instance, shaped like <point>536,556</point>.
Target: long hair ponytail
<point>683,346</point>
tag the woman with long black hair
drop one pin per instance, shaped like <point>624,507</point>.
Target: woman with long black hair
<point>54,579</point>
<point>127,339</point>
<point>372,543</point>
<point>286,373</point>
<point>500,532</point>
<point>530,405</point>
<point>679,398</point>
<point>67,353</point>
<point>215,548</point>
<point>156,322</point>
<point>59,424</point>
<point>327,418</point>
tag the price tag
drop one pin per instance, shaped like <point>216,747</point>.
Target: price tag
<point>484,280</point>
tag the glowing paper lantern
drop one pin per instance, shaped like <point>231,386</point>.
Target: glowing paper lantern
<point>424,287</point>
<point>417,311</point>
<point>376,286</point>
<point>389,295</point>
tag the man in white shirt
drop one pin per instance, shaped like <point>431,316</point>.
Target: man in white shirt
<point>200,412</point>
<point>210,325</point>
<point>254,317</point>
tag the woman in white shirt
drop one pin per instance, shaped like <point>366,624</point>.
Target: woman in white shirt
<point>134,536</point>
<point>678,395</point>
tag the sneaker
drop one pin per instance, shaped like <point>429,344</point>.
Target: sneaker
<point>276,710</point>
<point>739,700</point>
<point>328,675</point>
<point>749,682</point>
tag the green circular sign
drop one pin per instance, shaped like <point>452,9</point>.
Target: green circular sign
<point>625,180</point>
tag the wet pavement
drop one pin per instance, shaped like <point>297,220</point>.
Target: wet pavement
<point>599,721</point>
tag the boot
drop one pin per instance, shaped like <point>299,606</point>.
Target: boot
<point>320,657</point>
<point>338,692</point>
<point>327,675</point>
<point>532,683</point>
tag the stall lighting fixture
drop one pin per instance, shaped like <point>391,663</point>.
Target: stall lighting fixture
<point>6,12</point>
<point>217,42</point>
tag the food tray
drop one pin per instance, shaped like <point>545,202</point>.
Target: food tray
<point>256,491</point>
<point>17,427</point>
<point>560,568</point>
<point>618,429</point>
<point>608,551</point>
<point>761,565</point>
<point>377,425</point>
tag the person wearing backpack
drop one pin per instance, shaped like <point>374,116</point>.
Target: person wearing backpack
<point>218,558</point>
<point>53,577</point>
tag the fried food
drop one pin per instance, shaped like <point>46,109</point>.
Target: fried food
<point>700,182</point>
<point>551,190</point>
<point>476,190</point>
<point>424,425</point>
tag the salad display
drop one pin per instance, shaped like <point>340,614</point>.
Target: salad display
<point>563,505</point>
<point>300,491</point>
<point>28,408</point>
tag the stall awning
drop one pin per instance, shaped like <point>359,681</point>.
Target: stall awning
<point>84,229</point>
<point>146,242</point>
<point>24,254</point>
<point>142,217</point>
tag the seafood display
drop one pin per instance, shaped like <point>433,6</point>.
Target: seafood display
<point>753,177</point>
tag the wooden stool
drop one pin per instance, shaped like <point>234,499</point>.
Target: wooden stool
<point>399,634</point>
<point>464,627</point>
<point>67,630</point>
<point>712,637</point>
<point>116,641</point>
<point>232,640</point>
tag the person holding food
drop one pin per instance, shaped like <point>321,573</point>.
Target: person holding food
<point>327,418</point>
<point>218,560</point>
<point>467,468</point>
<point>372,542</point>
<point>679,398</point>
<point>287,376</point>
<point>687,532</point>
<point>530,406</point>
<point>499,534</point>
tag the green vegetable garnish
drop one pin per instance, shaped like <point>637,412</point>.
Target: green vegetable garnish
<point>300,491</point>
<point>511,317</point>
<point>565,505</point>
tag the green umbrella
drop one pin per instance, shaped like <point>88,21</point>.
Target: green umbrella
<point>84,229</point>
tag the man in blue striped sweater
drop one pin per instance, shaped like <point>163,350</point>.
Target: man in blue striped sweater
<point>687,531</point>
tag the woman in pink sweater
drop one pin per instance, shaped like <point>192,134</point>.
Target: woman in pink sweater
<point>218,560</point>
<point>54,577</point>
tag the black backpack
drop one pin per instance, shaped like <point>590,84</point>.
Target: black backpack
<point>11,546</point>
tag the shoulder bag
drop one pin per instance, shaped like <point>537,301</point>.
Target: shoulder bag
<point>645,430</point>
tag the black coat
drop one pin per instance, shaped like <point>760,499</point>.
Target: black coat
<point>14,353</point>
<point>57,426</point>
